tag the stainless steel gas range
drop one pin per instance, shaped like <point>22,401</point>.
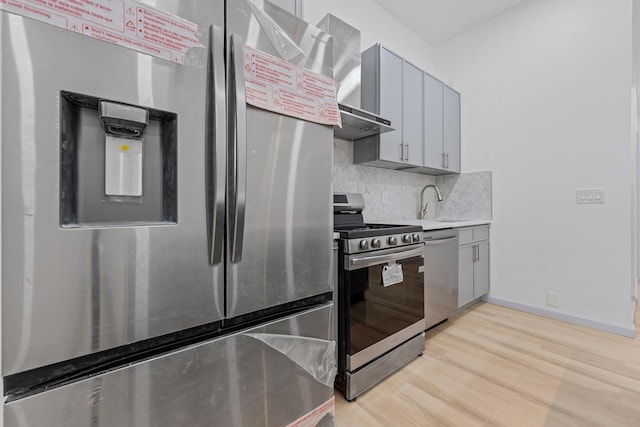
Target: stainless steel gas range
<point>380,297</point>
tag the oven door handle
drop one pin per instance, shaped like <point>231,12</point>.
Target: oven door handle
<point>357,262</point>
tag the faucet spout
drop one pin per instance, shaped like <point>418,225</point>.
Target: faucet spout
<point>423,205</point>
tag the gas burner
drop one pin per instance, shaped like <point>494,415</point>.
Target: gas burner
<point>358,236</point>
<point>367,227</point>
<point>376,230</point>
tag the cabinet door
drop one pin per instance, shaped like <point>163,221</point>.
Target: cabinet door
<point>481,271</point>
<point>451,133</point>
<point>465,275</point>
<point>390,104</point>
<point>412,114</point>
<point>433,111</point>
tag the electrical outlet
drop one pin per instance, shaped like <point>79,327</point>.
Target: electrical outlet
<point>589,195</point>
<point>552,299</point>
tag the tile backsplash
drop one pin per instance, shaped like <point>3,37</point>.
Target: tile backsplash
<point>465,196</point>
<point>395,195</point>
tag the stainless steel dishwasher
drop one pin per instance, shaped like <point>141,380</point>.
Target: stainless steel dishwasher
<point>440,275</point>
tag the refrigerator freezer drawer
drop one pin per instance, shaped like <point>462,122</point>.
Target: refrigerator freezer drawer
<point>270,375</point>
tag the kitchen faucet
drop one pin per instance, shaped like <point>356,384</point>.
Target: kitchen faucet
<point>423,205</point>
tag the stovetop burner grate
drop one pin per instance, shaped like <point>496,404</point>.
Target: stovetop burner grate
<point>375,230</point>
<point>349,221</point>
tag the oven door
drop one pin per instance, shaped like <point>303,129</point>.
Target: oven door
<point>384,302</point>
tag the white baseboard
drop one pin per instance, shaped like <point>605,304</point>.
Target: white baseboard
<point>626,331</point>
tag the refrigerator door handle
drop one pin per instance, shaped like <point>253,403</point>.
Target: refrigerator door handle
<point>238,171</point>
<point>216,137</point>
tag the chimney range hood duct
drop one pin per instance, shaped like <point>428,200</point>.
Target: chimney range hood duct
<point>356,123</point>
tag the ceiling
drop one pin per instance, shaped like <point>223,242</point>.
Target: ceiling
<point>439,20</point>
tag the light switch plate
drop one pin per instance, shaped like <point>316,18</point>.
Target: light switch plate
<point>589,195</point>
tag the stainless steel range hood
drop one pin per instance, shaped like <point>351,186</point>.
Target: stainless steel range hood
<point>356,123</point>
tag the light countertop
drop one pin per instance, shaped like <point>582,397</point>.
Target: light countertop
<point>434,224</point>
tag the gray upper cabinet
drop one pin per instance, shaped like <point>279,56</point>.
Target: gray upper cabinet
<point>388,102</point>
<point>422,109</point>
<point>389,87</point>
<point>433,122</point>
<point>451,134</point>
<point>292,6</point>
<point>441,127</point>
<point>412,114</point>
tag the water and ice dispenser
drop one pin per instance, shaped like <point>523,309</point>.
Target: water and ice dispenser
<point>123,127</point>
<point>118,163</point>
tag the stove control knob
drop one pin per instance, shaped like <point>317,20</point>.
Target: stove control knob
<point>416,237</point>
<point>375,243</point>
<point>406,238</point>
<point>392,240</point>
<point>364,244</point>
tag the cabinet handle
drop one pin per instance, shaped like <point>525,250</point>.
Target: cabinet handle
<point>443,163</point>
<point>477,253</point>
<point>401,152</point>
<point>446,156</point>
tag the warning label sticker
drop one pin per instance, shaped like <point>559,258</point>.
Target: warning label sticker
<point>126,23</point>
<point>280,86</point>
<point>327,409</point>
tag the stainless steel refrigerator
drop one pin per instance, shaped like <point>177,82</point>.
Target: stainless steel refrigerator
<point>166,247</point>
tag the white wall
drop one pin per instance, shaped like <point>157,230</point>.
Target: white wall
<point>545,106</point>
<point>376,26</point>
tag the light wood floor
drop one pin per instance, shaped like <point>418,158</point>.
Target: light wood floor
<point>493,366</point>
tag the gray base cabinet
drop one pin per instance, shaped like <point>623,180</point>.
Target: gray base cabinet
<point>465,274</point>
<point>473,264</point>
